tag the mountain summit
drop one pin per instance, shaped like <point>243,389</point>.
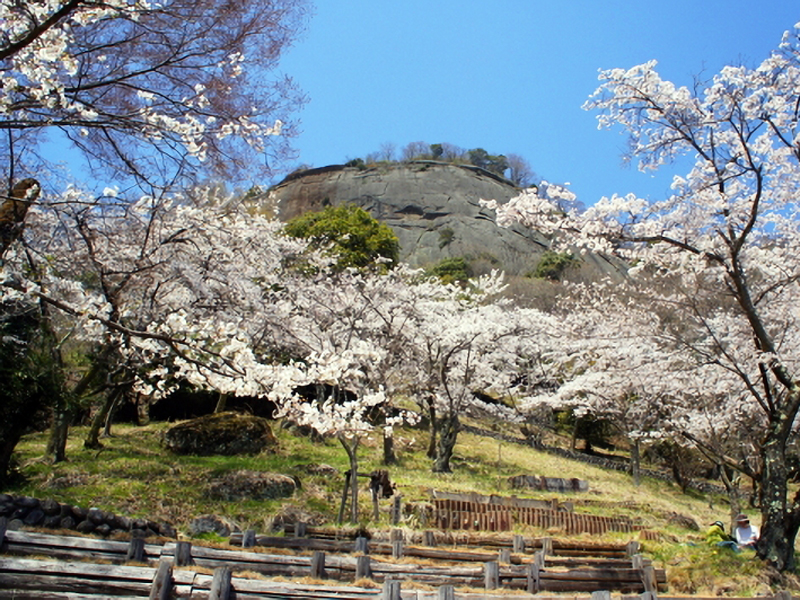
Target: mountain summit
<point>433,208</point>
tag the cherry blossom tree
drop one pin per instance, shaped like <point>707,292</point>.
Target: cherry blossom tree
<point>471,341</point>
<point>348,327</point>
<point>151,91</point>
<point>611,358</point>
<point>728,232</point>
<point>152,94</point>
<point>156,290</point>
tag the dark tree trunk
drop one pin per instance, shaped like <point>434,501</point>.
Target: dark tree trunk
<point>433,428</point>
<point>734,493</point>
<point>351,447</point>
<point>63,410</point>
<point>110,417</point>
<point>142,411</point>
<point>447,442</point>
<point>6,451</point>
<point>92,440</point>
<point>778,524</point>
<point>222,402</point>
<point>59,431</point>
<point>389,456</point>
<point>635,460</point>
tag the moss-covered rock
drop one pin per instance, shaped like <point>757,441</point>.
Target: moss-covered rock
<point>226,433</point>
<point>252,485</point>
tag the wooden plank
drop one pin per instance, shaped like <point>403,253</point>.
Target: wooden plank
<point>17,594</point>
<point>72,583</point>
<point>97,571</point>
<point>61,541</point>
<point>298,590</point>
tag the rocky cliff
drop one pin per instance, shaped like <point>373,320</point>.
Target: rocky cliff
<point>432,207</point>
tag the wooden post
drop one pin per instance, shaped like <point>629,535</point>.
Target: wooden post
<point>397,549</point>
<point>505,556</point>
<point>534,573</point>
<point>318,565</point>
<point>135,550</point>
<point>396,534</point>
<point>649,579</point>
<point>428,538</point>
<point>547,546</point>
<point>491,575</point>
<point>601,595</point>
<point>362,545</point>
<point>220,584</point>
<point>783,595</point>
<point>391,590</point>
<point>363,568</point>
<point>161,589</point>
<point>249,538</point>
<point>654,596</point>
<point>3,528</point>
<point>632,548</point>
<point>518,544</point>
<point>344,497</point>
<point>396,509</point>
<point>446,592</point>
<point>300,529</point>
<point>183,554</point>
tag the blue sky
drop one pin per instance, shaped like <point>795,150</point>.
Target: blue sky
<point>509,76</point>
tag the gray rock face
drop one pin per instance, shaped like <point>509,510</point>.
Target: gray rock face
<point>433,208</point>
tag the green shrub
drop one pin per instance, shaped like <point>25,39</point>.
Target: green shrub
<point>446,236</point>
<point>351,234</point>
<point>452,270</point>
<point>553,264</point>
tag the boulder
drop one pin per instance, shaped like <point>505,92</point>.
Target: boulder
<point>683,521</point>
<point>252,485</point>
<point>290,515</point>
<point>320,469</point>
<point>211,524</point>
<point>226,433</point>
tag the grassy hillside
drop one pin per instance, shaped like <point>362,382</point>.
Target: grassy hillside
<point>133,475</point>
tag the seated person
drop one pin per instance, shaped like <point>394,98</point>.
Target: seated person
<point>746,534</point>
<point>716,536</point>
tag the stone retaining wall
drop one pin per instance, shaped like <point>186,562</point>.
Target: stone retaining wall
<point>32,512</point>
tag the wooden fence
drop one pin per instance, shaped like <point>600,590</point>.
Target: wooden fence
<point>480,516</point>
<point>181,570</point>
<point>482,569</point>
<point>26,579</point>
